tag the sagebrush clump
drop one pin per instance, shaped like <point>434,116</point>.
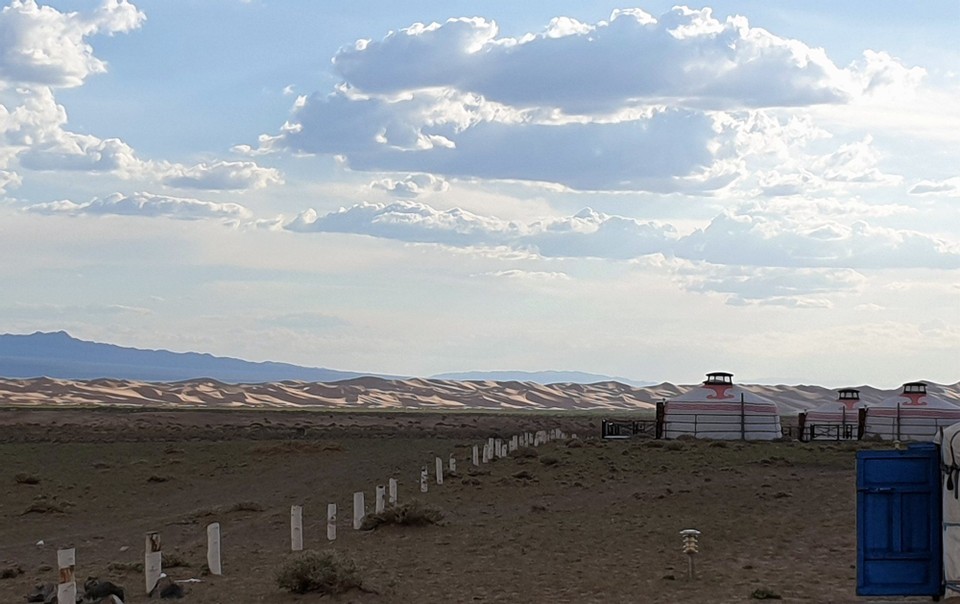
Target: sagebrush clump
<point>412,513</point>
<point>325,572</point>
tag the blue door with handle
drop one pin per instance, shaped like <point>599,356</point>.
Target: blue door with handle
<point>898,522</point>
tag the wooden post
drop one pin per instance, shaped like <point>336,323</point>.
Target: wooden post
<point>152,561</point>
<point>381,503</point>
<point>743,420</point>
<point>439,471</point>
<point>296,528</point>
<point>393,491</point>
<point>67,585</point>
<point>331,522</point>
<point>476,455</point>
<point>358,510</point>
<point>423,479</point>
<point>452,464</point>
<point>213,548</point>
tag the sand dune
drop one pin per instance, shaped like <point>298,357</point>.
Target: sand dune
<point>380,393</point>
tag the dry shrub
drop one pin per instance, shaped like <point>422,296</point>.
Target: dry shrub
<point>158,478</point>
<point>413,513</point>
<point>46,507</point>
<point>326,572</point>
<point>654,444</point>
<point>175,559</point>
<point>549,460</point>
<point>675,445</point>
<point>762,593</point>
<point>720,444</point>
<point>11,572</point>
<point>525,452</point>
<point>298,446</point>
<point>574,443</point>
<point>24,478</point>
<point>244,506</point>
<point>126,567</point>
<point>524,475</point>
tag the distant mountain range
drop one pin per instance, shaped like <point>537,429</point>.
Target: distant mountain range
<point>58,355</point>
<point>61,356</point>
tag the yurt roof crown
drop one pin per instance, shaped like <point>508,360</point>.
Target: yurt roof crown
<point>849,394</point>
<point>719,378</point>
<point>915,388</point>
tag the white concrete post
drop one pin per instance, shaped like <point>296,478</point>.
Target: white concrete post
<point>453,464</point>
<point>331,522</point>
<point>504,450</point>
<point>498,448</point>
<point>514,443</point>
<point>213,548</point>
<point>358,510</point>
<point>423,479</point>
<point>67,585</point>
<point>439,471</point>
<point>152,560</point>
<point>381,499</point>
<point>393,491</point>
<point>486,453</point>
<point>296,528</point>
<point>476,455</point>
<point>490,447</point>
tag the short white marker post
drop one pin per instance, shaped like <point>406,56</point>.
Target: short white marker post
<point>213,548</point>
<point>504,450</point>
<point>490,447</point>
<point>486,453</point>
<point>393,491</point>
<point>514,443</point>
<point>452,464</point>
<point>296,528</point>
<point>331,522</point>
<point>439,471</point>
<point>476,455</point>
<point>691,547</point>
<point>358,510</point>
<point>498,448</point>
<point>423,479</point>
<point>152,561</point>
<point>381,503</point>
<point>67,585</point>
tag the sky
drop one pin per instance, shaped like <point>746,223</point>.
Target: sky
<point>644,190</point>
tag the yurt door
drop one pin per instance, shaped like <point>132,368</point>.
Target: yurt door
<point>898,522</point>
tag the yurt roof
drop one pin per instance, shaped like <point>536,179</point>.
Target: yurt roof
<point>719,388</point>
<point>914,395</point>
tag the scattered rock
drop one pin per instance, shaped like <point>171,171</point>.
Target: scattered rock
<point>24,478</point>
<point>10,572</point>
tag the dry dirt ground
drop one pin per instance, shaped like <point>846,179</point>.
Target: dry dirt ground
<point>591,523</point>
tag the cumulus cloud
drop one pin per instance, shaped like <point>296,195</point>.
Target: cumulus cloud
<point>587,234</point>
<point>686,56</point>
<point>949,186</point>
<point>144,204</point>
<point>761,235</point>
<point>222,175</point>
<point>755,235</point>
<point>411,186</point>
<point>42,46</point>
<point>529,276</point>
<point>671,104</point>
<point>793,287</point>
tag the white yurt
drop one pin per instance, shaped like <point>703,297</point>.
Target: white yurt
<point>949,441</point>
<point>719,409</point>
<point>911,415</point>
<point>835,420</point>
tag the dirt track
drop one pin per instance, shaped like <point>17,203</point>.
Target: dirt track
<point>600,524</point>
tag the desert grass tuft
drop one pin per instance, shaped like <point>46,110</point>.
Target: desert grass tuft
<point>413,513</point>
<point>24,478</point>
<point>326,572</point>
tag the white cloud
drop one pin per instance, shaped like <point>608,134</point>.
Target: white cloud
<point>412,185</point>
<point>686,56</point>
<point>948,186</point>
<point>586,234</point>
<point>815,235</point>
<point>531,276</point>
<point>762,235</point>
<point>145,204</point>
<point>41,46</point>
<point>222,175</point>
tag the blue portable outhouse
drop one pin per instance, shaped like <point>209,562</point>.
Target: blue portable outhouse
<point>899,551</point>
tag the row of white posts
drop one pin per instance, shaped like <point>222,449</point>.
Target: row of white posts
<point>493,448</point>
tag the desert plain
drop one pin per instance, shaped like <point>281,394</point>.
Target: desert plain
<point>582,520</point>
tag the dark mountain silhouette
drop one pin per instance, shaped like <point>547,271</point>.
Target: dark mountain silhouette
<point>58,355</point>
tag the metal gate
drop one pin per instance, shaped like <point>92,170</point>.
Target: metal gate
<point>898,522</point>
